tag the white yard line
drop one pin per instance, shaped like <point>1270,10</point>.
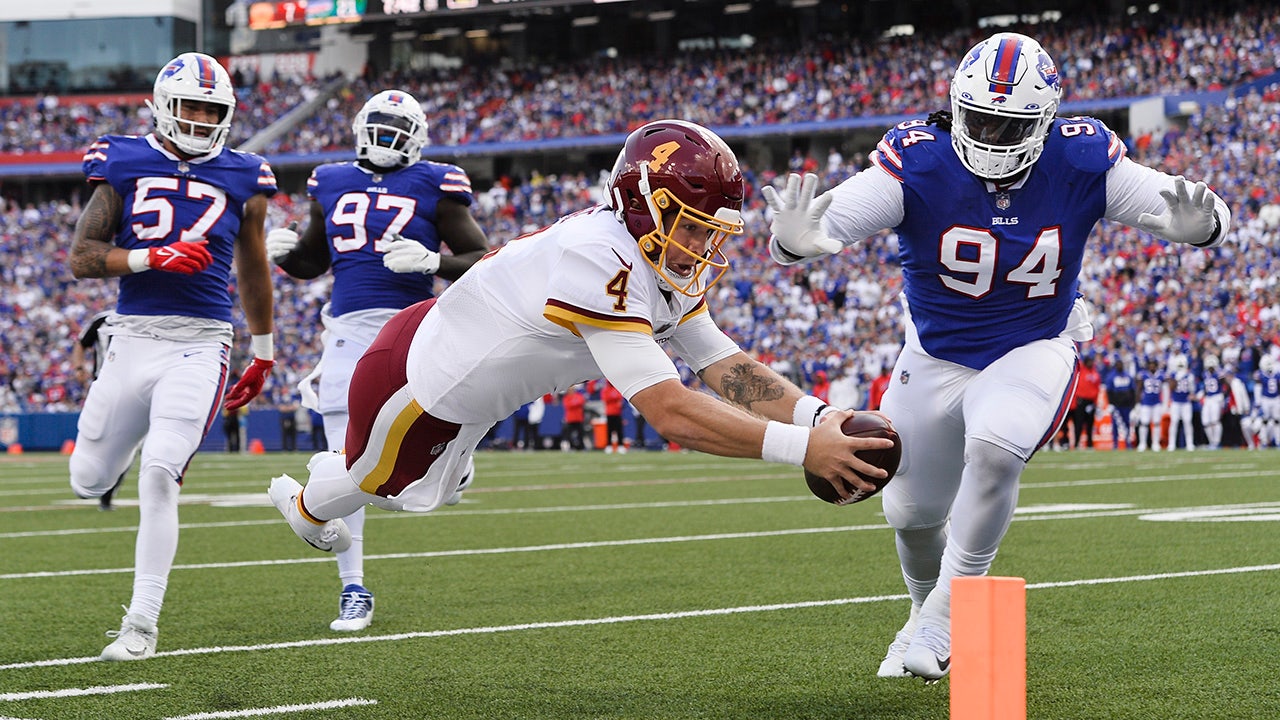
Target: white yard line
<point>277,710</point>
<point>588,622</point>
<point>79,692</point>
<point>1033,512</point>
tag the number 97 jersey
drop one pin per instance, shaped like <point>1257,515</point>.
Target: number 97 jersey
<point>989,268</point>
<point>363,208</point>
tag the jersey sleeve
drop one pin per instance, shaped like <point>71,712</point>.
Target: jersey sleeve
<point>594,287</point>
<point>1090,144</point>
<point>313,182</point>
<point>699,341</point>
<point>266,176</point>
<point>456,184</point>
<point>95,160</point>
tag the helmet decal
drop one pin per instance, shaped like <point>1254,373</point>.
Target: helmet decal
<point>1005,70</point>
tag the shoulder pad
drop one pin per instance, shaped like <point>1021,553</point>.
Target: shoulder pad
<point>1087,143</point>
<point>910,146</point>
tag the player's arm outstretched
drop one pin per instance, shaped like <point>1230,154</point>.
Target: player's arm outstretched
<point>304,256</point>
<point>1167,206</point>
<point>639,367</point>
<point>253,275</point>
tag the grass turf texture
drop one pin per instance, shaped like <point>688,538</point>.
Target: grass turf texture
<point>646,585</point>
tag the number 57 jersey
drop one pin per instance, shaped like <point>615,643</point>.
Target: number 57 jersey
<point>167,199</point>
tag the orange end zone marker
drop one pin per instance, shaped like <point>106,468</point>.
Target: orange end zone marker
<point>988,648</point>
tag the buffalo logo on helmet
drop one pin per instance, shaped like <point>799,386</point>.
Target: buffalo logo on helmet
<point>1048,71</point>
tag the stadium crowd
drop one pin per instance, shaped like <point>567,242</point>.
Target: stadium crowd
<point>833,323</point>
<point>488,101</point>
<point>838,318</point>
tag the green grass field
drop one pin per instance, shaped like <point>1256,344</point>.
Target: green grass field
<point>647,586</point>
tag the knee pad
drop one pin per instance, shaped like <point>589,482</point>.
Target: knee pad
<point>904,512</point>
<point>88,476</point>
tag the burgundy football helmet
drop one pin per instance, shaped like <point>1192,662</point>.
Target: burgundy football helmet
<point>671,173</point>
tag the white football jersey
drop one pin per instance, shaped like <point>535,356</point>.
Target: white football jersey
<point>509,330</point>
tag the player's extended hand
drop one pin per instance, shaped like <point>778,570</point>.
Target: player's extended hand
<point>251,382</point>
<point>409,256</point>
<point>831,452</point>
<point>183,257</point>
<point>797,217</point>
<point>1189,218</point>
<point>281,242</point>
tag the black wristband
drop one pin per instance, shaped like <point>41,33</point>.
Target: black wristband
<point>785,253</point>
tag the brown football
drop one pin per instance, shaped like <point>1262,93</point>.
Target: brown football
<point>862,424</point>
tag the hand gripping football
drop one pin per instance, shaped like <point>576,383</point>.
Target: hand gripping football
<point>863,424</point>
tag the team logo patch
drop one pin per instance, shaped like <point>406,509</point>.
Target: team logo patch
<point>904,377</point>
<point>172,68</point>
<point>1048,71</point>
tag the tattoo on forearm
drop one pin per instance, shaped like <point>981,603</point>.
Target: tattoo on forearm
<point>743,386</point>
<point>93,234</point>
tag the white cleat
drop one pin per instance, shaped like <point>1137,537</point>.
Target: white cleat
<point>329,536</point>
<point>891,666</point>
<point>929,655</point>
<point>135,640</point>
<point>456,497</point>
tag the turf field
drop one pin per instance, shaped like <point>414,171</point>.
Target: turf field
<point>647,586</point>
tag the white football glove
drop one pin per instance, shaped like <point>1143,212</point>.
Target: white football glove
<point>797,218</point>
<point>281,242</point>
<point>1190,218</point>
<point>408,256</point>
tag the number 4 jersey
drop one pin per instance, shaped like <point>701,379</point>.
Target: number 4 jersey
<point>168,199</point>
<point>988,268</point>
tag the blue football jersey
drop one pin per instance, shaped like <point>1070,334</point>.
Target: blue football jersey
<point>361,208</point>
<point>166,200</point>
<point>1211,384</point>
<point>986,272</point>
<point>1184,385</point>
<point>1269,384</point>
<point>1152,386</point>
<point>1120,388</point>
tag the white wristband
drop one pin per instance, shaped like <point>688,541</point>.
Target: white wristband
<point>809,410</point>
<point>263,346</point>
<point>138,260</point>
<point>785,443</point>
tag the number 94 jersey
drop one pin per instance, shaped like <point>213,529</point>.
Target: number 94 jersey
<point>988,268</point>
<point>166,200</point>
<point>362,208</point>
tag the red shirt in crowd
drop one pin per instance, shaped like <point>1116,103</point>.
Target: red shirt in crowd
<point>612,398</point>
<point>574,402</point>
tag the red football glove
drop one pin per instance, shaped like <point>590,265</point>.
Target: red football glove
<point>250,384</point>
<point>187,258</point>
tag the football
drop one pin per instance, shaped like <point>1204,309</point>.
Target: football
<point>862,424</point>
